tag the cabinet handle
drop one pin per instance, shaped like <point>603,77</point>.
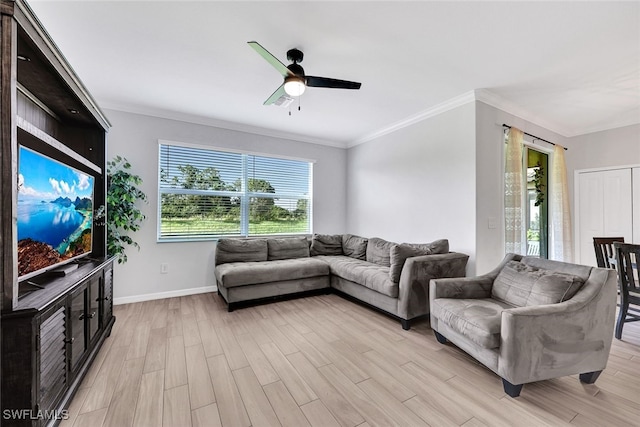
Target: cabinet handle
<point>70,341</point>
<point>92,315</point>
<point>81,317</point>
<point>106,298</point>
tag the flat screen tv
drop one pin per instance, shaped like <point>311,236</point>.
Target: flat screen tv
<point>55,213</point>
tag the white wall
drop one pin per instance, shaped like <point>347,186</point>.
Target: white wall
<point>615,147</point>
<point>136,137</point>
<point>490,179</point>
<point>417,184</point>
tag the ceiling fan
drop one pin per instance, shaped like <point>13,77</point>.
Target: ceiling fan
<point>295,81</point>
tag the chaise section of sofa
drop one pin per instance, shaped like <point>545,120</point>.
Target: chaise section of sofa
<point>387,276</point>
<point>256,269</point>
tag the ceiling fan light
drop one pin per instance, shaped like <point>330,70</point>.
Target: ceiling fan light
<point>294,86</point>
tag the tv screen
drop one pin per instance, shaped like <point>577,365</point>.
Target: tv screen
<point>55,213</point>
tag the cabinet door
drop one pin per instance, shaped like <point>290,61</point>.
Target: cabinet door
<point>93,306</point>
<point>107,295</point>
<point>77,325</point>
<point>52,364</point>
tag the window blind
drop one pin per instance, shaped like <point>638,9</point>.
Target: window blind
<point>206,193</point>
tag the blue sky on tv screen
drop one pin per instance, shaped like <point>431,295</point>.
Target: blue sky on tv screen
<point>43,179</point>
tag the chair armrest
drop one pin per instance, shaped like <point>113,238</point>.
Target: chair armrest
<point>413,292</point>
<point>468,287</point>
<point>554,340</point>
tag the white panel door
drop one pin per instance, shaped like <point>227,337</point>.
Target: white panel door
<point>618,204</point>
<point>604,209</point>
<point>635,173</point>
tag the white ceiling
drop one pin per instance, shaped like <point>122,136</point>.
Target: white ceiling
<point>572,67</point>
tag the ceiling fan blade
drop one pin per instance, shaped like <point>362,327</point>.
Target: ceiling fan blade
<point>275,62</point>
<point>275,95</point>
<point>313,81</point>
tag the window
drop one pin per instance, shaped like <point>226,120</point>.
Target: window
<point>206,193</point>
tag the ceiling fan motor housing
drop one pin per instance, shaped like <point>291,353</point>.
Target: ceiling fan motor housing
<point>296,69</point>
<point>295,55</point>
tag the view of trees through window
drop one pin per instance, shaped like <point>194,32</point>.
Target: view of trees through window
<point>206,193</point>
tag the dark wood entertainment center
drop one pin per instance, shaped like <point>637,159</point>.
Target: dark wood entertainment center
<point>52,325</point>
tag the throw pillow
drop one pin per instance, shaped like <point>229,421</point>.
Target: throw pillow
<point>440,246</point>
<point>241,250</point>
<point>522,285</point>
<point>379,251</point>
<point>326,244</point>
<point>398,256</point>
<point>354,246</point>
<point>288,248</point>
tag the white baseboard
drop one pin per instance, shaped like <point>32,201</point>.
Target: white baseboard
<point>162,295</point>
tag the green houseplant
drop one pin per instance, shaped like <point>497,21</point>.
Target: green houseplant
<point>123,214</point>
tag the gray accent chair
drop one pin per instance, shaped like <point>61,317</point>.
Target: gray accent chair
<point>530,319</point>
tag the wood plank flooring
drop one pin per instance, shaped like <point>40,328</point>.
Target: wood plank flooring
<point>321,361</point>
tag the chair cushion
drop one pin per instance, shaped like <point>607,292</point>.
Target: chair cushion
<point>288,248</point>
<point>476,319</point>
<point>354,246</point>
<point>251,273</point>
<point>372,276</point>
<point>326,244</point>
<point>241,250</point>
<point>524,285</point>
<point>379,251</point>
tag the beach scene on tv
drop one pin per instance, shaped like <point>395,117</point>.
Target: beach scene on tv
<point>55,212</point>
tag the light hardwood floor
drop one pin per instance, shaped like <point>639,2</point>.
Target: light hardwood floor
<point>321,361</point>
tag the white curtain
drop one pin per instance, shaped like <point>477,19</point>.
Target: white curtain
<point>562,244</point>
<point>513,194</point>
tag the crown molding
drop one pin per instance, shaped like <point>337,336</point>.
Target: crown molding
<point>222,124</point>
<point>501,103</point>
<point>438,109</point>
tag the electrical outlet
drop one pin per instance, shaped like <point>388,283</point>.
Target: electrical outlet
<point>164,268</point>
<point>492,223</point>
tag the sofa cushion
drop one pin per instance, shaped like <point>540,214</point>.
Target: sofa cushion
<point>326,244</point>
<point>354,246</point>
<point>287,248</point>
<point>379,251</point>
<point>241,250</point>
<point>478,320</point>
<point>440,246</point>
<point>251,273</point>
<point>373,276</point>
<point>399,254</point>
<point>525,285</point>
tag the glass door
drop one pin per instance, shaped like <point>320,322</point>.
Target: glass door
<point>536,206</point>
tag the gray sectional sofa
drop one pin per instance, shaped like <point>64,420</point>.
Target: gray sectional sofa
<point>391,277</point>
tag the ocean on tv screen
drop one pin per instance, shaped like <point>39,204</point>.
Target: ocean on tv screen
<point>55,212</point>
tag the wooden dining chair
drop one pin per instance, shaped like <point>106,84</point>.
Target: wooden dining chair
<point>628,266</point>
<point>604,250</point>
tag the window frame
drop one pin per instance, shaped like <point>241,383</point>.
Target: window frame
<point>244,195</point>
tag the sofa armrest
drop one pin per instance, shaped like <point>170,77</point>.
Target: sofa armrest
<point>554,340</point>
<point>413,292</point>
